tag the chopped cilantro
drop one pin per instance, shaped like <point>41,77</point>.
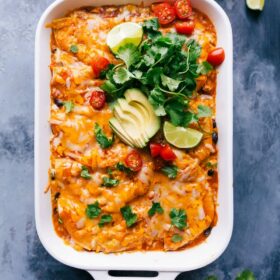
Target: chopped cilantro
<point>156,208</point>
<point>93,210</point>
<point>129,216</point>
<point>74,49</point>
<point>121,167</point>
<point>176,238</point>
<point>85,173</point>
<point>109,182</point>
<point>170,171</point>
<point>122,75</point>
<point>69,106</point>
<point>129,54</point>
<point>204,68</point>
<point>204,111</point>
<point>151,27</point>
<point>105,219</point>
<point>101,138</point>
<point>178,218</point>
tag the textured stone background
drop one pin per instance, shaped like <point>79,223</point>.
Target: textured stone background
<point>256,238</point>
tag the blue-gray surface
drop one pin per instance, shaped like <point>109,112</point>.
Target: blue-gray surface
<point>256,238</point>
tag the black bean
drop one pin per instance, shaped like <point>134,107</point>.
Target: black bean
<point>214,123</point>
<point>207,232</point>
<point>57,195</point>
<point>58,102</point>
<point>215,137</point>
<point>210,172</point>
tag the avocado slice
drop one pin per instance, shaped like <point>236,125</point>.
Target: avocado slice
<point>137,99</point>
<point>131,127</point>
<point>134,113</point>
<point>117,128</point>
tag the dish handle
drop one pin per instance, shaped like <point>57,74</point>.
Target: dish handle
<point>103,275</point>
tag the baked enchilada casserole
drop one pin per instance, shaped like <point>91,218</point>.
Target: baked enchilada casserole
<point>133,145</point>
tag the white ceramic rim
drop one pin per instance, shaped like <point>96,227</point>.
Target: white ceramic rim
<point>186,260</point>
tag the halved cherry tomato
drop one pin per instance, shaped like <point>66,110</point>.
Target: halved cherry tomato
<point>98,64</point>
<point>97,99</point>
<point>183,9</point>
<point>165,13</point>
<point>155,149</point>
<point>216,56</point>
<point>134,161</point>
<point>186,27</point>
<point>167,153</point>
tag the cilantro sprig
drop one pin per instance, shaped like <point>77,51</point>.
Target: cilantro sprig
<point>101,138</point>
<point>85,173</point>
<point>165,68</point>
<point>170,171</point>
<point>105,219</point>
<point>156,208</point>
<point>109,182</point>
<point>129,216</point>
<point>178,218</point>
<point>93,210</point>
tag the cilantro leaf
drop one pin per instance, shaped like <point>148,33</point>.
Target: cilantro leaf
<point>170,83</point>
<point>121,167</point>
<point>101,138</point>
<point>204,111</point>
<point>105,219</point>
<point>69,106</point>
<point>157,99</point>
<point>74,49</point>
<point>151,27</point>
<point>190,118</point>
<point>204,68</point>
<point>129,216</point>
<point>178,218</point>
<point>93,210</point>
<point>84,173</point>
<point>104,73</point>
<point>156,208</point>
<point>246,275</point>
<point>109,182</point>
<point>108,87</point>
<point>194,50</point>
<point>175,110</point>
<point>129,54</point>
<point>176,238</point>
<point>170,171</point>
<point>122,75</point>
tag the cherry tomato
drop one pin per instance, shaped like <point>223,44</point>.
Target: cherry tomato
<point>216,56</point>
<point>166,153</point>
<point>165,13</point>
<point>97,99</point>
<point>98,64</point>
<point>155,149</point>
<point>134,161</point>
<point>183,9</point>
<point>186,27</point>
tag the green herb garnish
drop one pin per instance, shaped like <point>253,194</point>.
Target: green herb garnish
<point>105,219</point>
<point>165,68</point>
<point>204,111</point>
<point>93,210</point>
<point>74,49</point>
<point>121,167</point>
<point>129,216</point>
<point>85,173</point>
<point>69,106</point>
<point>178,218</point>
<point>156,208</point>
<point>109,182</point>
<point>60,221</point>
<point>101,138</point>
<point>176,238</point>
<point>170,171</point>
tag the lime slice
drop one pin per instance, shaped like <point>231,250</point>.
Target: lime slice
<point>124,33</point>
<point>181,137</point>
<point>255,4</point>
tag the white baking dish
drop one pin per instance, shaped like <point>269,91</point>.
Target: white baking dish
<point>169,264</point>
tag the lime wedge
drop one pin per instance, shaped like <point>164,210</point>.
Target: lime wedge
<point>181,137</point>
<point>255,4</point>
<point>124,33</point>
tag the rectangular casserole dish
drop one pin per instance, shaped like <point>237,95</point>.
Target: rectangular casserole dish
<point>169,264</point>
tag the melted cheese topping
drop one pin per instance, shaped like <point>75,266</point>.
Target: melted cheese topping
<point>73,145</point>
